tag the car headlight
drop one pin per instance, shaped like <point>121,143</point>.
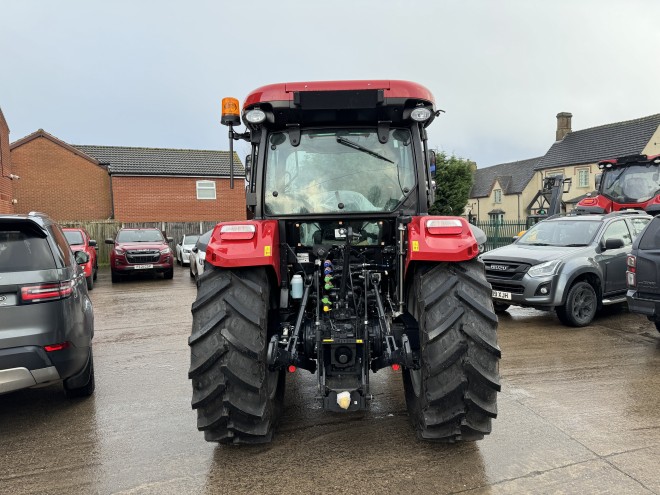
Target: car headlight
<point>545,269</point>
<point>186,251</point>
<point>165,251</point>
<point>119,251</point>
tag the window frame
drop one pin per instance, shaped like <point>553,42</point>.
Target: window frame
<point>579,175</point>
<point>205,182</point>
<point>497,196</point>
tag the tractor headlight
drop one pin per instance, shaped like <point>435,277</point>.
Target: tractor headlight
<point>255,116</point>
<point>545,269</point>
<point>420,114</point>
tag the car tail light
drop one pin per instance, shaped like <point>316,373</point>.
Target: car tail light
<point>589,201</point>
<point>631,275</point>
<point>57,347</point>
<point>46,292</point>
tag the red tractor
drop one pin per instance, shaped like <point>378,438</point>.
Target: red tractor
<point>342,271</point>
<point>629,182</point>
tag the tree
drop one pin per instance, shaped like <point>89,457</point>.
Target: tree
<point>453,176</point>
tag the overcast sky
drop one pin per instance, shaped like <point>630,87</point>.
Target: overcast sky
<point>152,72</point>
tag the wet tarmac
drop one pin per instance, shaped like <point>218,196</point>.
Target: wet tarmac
<point>579,412</point>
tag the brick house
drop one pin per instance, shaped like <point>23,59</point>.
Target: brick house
<point>79,182</point>
<point>6,171</point>
<point>172,185</point>
<point>59,180</point>
<point>509,191</point>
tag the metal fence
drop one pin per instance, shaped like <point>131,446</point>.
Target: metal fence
<point>500,233</point>
<point>107,229</point>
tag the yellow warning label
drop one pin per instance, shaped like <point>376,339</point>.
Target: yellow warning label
<point>266,250</point>
<point>415,245</point>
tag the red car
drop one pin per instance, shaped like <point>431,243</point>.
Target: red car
<point>79,241</point>
<point>141,250</point>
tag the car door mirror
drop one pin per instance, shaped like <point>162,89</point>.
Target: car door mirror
<point>92,243</point>
<point>613,243</point>
<point>195,250</point>
<point>81,257</point>
<point>109,241</point>
<point>170,239</point>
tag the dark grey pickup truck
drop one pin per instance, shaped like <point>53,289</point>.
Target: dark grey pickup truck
<point>572,264</point>
<point>643,275</point>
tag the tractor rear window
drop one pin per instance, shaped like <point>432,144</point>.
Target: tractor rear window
<point>338,171</point>
<point>22,250</point>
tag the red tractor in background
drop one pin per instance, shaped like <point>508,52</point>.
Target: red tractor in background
<point>629,182</point>
<point>342,271</point>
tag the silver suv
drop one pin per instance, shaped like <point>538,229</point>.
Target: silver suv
<point>46,318</point>
<point>572,264</point>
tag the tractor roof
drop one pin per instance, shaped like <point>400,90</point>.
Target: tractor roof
<point>391,89</point>
<point>340,102</point>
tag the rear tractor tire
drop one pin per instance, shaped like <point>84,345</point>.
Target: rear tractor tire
<point>453,397</point>
<point>238,400</point>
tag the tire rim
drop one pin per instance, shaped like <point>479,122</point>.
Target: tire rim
<point>584,304</point>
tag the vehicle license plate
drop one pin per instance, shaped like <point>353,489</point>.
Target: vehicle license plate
<point>146,267</point>
<point>497,294</point>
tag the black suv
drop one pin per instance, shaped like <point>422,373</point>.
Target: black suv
<point>573,264</point>
<point>46,318</point>
<point>643,275</point>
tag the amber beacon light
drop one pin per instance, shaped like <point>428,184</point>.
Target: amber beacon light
<point>230,112</point>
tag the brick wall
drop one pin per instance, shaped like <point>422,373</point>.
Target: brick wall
<point>174,199</point>
<point>56,181</point>
<point>6,185</point>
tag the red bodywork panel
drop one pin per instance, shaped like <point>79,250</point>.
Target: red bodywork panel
<point>609,206</point>
<point>391,89</point>
<point>232,250</point>
<point>455,244</point>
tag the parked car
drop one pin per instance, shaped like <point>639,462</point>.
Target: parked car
<point>79,240</point>
<point>46,316</point>
<point>643,275</point>
<point>184,248</point>
<point>572,264</point>
<point>198,254</point>
<point>140,250</point>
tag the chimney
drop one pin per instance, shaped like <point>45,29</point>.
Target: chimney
<point>563,124</point>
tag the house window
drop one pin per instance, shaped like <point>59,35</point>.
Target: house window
<point>498,195</point>
<point>496,217</point>
<point>205,189</point>
<point>583,177</point>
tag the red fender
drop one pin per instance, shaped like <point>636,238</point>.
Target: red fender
<point>245,243</point>
<point>446,239</point>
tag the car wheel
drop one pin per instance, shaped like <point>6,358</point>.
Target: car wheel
<point>71,391</point>
<point>96,271</point>
<point>657,326</point>
<point>192,275</point>
<point>90,282</point>
<point>581,305</point>
<point>169,274</point>
<point>115,277</point>
<point>500,307</point>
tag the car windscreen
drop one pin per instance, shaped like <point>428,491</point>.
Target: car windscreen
<point>190,239</point>
<point>74,237</point>
<point>561,233</point>
<point>651,236</point>
<point>23,249</point>
<point>139,236</point>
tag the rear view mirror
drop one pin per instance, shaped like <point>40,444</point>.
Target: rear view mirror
<point>432,162</point>
<point>170,239</point>
<point>109,241</point>
<point>599,177</point>
<point>81,257</point>
<point>248,167</point>
<point>92,243</point>
<point>614,243</point>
